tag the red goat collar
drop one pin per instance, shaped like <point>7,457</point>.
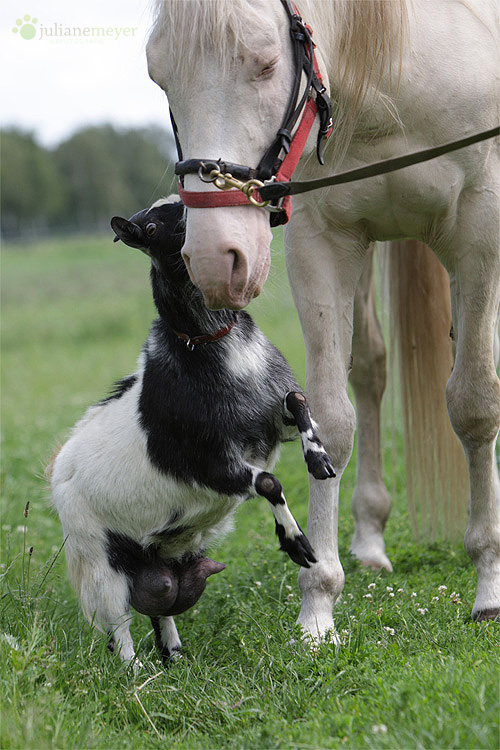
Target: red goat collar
<point>207,338</point>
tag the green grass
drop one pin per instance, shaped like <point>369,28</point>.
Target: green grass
<point>412,672</point>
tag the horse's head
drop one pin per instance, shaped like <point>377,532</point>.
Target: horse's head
<point>228,70</point>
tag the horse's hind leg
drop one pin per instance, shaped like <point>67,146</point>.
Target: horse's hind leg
<point>371,504</point>
<point>473,390</point>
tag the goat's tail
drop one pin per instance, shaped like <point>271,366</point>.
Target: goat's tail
<point>437,477</point>
<point>48,463</point>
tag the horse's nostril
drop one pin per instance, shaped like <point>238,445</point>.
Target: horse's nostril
<point>235,259</point>
<point>239,270</point>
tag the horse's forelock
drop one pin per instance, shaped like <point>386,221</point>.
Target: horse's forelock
<point>193,28</point>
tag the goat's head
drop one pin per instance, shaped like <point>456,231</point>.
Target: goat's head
<point>157,231</point>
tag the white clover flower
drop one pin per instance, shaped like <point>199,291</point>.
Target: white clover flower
<point>422,610</point>
<point>442,589</point>
<point>367,596</point>
<point>391,631</point>
<point>389,589</point>
<point>12,641</point>
<point>401,591</point>
<point>351,596</point>
<point>435,599</point>
<point>413,594</point>
<point>258,584</point>
<point>379,729</point>
<point>372,586</point>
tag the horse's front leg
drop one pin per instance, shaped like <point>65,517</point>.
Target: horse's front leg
<point>323,283</point>
<point>371,503</point>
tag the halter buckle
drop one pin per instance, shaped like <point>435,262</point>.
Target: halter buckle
<point>226,181</point>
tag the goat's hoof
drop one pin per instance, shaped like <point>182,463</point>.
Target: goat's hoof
<point>170,657</point>
<point>319,464</point>
<point>299,550</point>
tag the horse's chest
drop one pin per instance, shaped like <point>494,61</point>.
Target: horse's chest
<point>405,203</point>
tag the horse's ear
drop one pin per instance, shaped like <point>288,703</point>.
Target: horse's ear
<point>129,233</point>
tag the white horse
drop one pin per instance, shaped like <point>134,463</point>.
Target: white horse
<point>403,75</point>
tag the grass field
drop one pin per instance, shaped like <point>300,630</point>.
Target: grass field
<point>412,672</point>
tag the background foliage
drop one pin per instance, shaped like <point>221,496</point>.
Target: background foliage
<point>77,186</point>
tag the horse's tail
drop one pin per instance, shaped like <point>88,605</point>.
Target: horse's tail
<point>421,329</point>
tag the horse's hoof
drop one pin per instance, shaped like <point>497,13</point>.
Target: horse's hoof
<point>319,633</point>
<point>487,614</point>
<point>372,556</point>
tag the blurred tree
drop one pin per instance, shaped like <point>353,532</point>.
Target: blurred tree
<point>32,192</point>
<point>109,171</point>
<point>94,174</point>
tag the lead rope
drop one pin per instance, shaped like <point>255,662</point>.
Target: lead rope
<point>277,190</point>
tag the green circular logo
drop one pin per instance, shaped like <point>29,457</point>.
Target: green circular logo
<point>25,27</point>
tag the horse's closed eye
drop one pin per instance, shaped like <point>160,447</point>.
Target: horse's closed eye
<point>267,71</point>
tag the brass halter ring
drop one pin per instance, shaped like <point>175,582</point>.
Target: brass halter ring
<point>226,181</point>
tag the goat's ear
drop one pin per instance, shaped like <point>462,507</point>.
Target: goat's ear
<point>129,233</point>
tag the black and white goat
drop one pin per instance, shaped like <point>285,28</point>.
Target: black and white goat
<point>152,475</point>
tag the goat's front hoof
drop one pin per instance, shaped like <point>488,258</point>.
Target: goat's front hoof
<point>319,464</point>
<point>299,550</point>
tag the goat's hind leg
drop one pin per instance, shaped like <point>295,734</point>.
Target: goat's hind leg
<point>318,461</point>
<point>292,539</point>
<point>104,596</point>
<point>243,480</point>
<point>167,638</point>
